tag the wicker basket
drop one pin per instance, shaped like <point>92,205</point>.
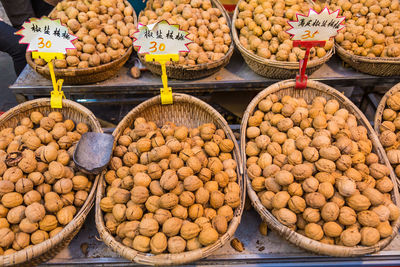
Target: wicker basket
<point>176,71</point>
<point>48,249</point>
<point>379,112</point>
<point>316,89</point>
<point>273,68</point>
<point>378,66</point>
<point>191,112</point>
<point>84,75</point>
<point>382,105</point>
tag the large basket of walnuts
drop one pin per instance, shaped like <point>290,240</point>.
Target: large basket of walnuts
<point>316,171</point>
<point>208,25</point>
<point>370,41</point>
<point>173,192</point>
<point>258,30</point>
<point>44,198</point>
<point>103,46</point>
<point>387,126</point>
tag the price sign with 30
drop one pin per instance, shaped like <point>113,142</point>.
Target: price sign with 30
<point>160,38</point>
<point>46,35</point>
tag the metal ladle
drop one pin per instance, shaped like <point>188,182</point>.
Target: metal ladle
<point>93,152</point>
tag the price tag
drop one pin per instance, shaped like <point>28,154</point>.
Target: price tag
<point>316,26</point>
<point>161,42</point>
<point>160,38</point>
<point>46,35</point>
<point>313,30</point>
<point>48,39</point>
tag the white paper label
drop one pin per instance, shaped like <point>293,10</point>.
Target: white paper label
<point>46,35</point>
<point>160,38</point>
<point>316,26</point>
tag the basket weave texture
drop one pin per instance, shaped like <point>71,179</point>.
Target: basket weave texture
<point>313,90</point>
<point>378,66</point>
<point>48,249</point>
<point>191,112</point>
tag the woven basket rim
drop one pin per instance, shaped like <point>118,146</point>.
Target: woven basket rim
<point>290,235</point>
<point>273,63</point>
<point>83,71</point>
<point>203,66</point>
<point>343,52</point>
<point>77,71</point>
<point>68,230</point>
<point>167,258</point>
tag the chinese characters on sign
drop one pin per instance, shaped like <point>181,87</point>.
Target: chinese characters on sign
<point>316,26</point>
<point>46,35</point>
<point>160,38</point>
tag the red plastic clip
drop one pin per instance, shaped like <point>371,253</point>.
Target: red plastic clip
<point>301,79</point>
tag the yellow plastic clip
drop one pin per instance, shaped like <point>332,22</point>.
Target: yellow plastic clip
<point>57,94</point>
<point>166,92</point>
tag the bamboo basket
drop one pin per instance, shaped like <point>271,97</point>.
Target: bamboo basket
<point>378,66</point>
<point>48,249</point>
<point>382,105</point>
<point>84,75</point>
<point>314,89</point>
<point>379,111</point>
<point>184,72</point>
<point>191,112</point>
<point>273,68</point>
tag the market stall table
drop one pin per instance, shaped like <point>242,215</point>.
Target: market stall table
<point>236,76</point>
<point>270,250</point>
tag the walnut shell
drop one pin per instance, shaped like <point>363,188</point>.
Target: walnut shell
<point>158,243</point>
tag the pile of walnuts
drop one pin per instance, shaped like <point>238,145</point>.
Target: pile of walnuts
<point>262,27</point>
<point>313,167</point>
<point>40,191</point>
<point>389,131</point>
<point>207,27</point>
<point>103,28</point>
<point>170,189</point>
<point>372,27</point>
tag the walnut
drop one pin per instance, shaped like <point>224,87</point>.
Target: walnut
<point>374,196</point>
<point>332,229</point>
<point>347,216</point>
<point>141,243</point>
<point>358,202</point>
<point>385,229</point>
<point>169,180</point>
<point>138,195</point>
<point>330,211</point>
<point>158,243</point>
<point>148,227</point>
<point>168,201</point>
<point>208,236</point>
<point>66,214</point>
<point>48,223</point>
<point>172,226</point>
<point>6,237</point>
<point>369,236</point>
<point>297,204</point>
<point>15,215</point>
<point>11,200</point>
<point>311,215</point>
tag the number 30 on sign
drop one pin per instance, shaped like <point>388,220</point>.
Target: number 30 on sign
<point>42,43</point>
<point>157,47</point>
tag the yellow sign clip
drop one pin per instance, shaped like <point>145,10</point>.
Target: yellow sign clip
<point>166,92</point>
<point>56,95</point>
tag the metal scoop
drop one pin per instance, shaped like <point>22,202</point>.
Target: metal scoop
<point>93,152</point>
